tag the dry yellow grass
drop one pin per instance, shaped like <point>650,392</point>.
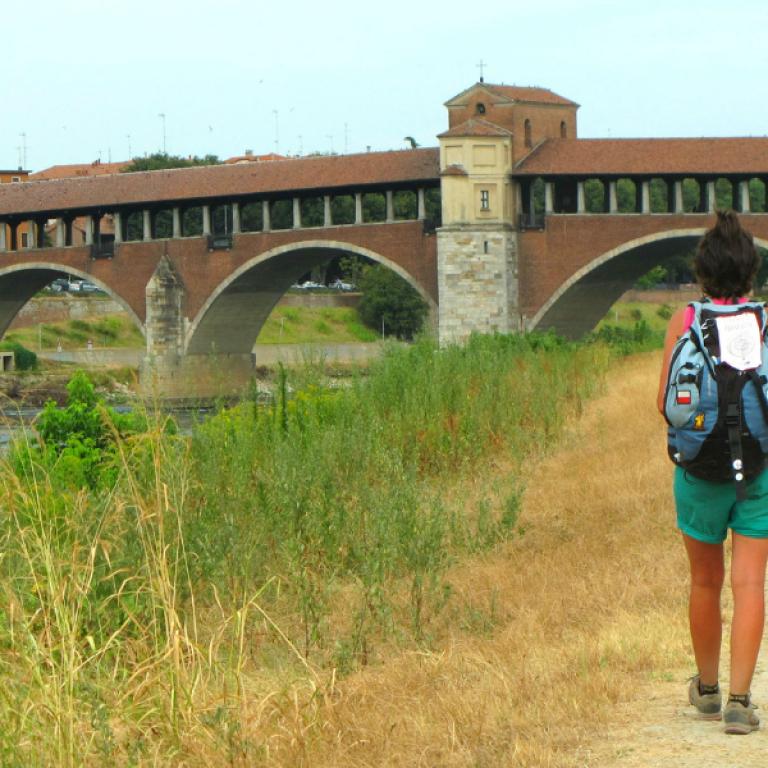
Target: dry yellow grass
<point>543,634</point>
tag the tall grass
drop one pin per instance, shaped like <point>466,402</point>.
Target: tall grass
<point>293,540</point>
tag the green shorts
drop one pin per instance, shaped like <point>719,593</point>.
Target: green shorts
<point>706,510</point>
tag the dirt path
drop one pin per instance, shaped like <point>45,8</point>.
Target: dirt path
<point>655,727</point>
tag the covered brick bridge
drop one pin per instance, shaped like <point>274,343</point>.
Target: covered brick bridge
<point>200,256</point>
<point>515,224</point>
<point>597,214</point>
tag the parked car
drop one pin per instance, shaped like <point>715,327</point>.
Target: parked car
<point>340,285</point>
<point>87,287</point>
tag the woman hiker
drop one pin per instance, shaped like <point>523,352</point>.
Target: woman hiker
<point>707,505</point>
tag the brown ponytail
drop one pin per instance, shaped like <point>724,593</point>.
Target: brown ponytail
<point>726,260</point>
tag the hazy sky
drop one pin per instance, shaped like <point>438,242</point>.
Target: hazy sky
<point>86,78</point>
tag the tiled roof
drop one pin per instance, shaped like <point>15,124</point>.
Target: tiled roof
<point>526,93</point>
<point>454,170</point>
<point>509,93</point>
<point>223,181</point>
<point>593,157</point>
<point>475,126</point>
<point>255,158</point>
<point>76,170</point>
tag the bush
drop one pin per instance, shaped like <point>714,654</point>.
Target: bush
<point>26,359</point>
<point>390,303</point>
<point>79,442</point>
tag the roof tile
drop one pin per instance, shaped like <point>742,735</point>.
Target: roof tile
<point>298,175</point>
<point>643,157</point>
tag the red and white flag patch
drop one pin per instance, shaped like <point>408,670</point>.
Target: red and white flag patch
<point>683,396</point>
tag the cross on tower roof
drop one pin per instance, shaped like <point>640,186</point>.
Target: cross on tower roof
<point>480,67</point>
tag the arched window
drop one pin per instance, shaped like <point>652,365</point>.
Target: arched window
<point>480,108</point>
<point>563,130</point>
<point>528,139</point>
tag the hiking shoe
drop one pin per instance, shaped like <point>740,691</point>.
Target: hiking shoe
<point>707,704</point>
<point>739,719</point>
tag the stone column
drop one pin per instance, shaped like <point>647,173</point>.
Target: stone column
<point>390,205</point>
<point>117,221</point>
<point>613,198</point>
<point>581,201</point>
<point>422,207</point>
<point>3,239</point>
<point>326,210</point>
<point>645,196</point>
<point>744,205</point>
<point>146,220</point>
<point>236,218</point>
<point>711,196</point>
<point>678,192</point>
<point>176,212</point>
<point>296,213</point>
<point>358,207</point>
<point>89,227</point>
<point>477,281</point>
<point>164,326</point>
<point>549,197</point>
<point>266,221</point>
<point>206,220</point>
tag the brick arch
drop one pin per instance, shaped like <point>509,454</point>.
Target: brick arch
<point>20,282</point>
<point>230,319</point>
<point>584,298</point>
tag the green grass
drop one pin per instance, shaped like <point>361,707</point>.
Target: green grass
<point>307,325</point>
<point>137,618</point>
<point>105,331</point>
<point>625,314</point>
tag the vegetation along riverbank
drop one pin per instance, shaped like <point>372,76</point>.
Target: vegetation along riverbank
<point>201,600</point>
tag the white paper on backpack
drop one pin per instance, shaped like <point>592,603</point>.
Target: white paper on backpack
<point>740,343</point>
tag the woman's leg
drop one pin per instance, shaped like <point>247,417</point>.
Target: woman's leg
<point>707,574</point>
<point>748,584</point>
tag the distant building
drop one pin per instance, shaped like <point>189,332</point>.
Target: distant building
<point>75,170</point>
<point>249,157</point>
<point>11,177</point>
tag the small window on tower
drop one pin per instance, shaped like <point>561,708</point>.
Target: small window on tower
<point>485,200</point>
<point>528,138</point>
<point>480,109</point>
<point>563,130</point>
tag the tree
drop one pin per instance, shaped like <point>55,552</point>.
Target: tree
<point>160,161</point>
<point>390,304</point>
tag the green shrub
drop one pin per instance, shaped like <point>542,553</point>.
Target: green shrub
<point>390,304</point>
<point>665,311</point>
<point>25,359</point>
<point>78,442</point>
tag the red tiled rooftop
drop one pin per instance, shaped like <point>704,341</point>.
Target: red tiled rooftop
<point>454,170</point>
<point>611,157</point>
<point>475,126</point>
<point>251,158</point>
<point>76,170</point>
<point>222,181</point>
<point>529,93</point>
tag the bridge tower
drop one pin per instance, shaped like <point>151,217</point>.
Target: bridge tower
<point>491,128</point>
